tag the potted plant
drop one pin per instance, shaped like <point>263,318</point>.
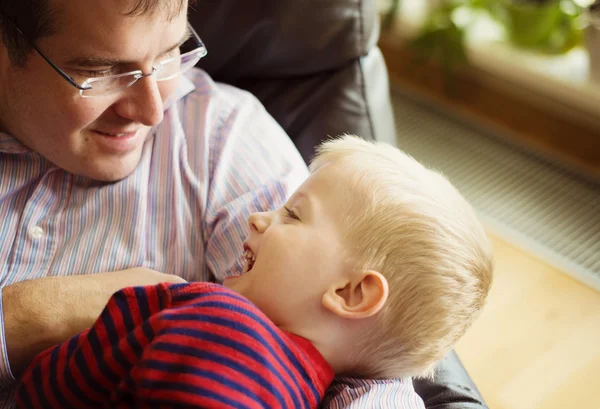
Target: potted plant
<point>440,38</point>
<point>548,26</point>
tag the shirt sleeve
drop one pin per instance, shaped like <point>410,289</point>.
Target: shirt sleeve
<point>6,376</point>
<point>254,166</point>
<point>92,368</point>
<point>348,393</point>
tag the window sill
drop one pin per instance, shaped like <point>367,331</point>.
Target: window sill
<point>548,101</point>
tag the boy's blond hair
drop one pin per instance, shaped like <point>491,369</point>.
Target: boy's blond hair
<point>410,224</point>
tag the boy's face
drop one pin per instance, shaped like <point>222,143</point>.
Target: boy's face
<point>297,249</point>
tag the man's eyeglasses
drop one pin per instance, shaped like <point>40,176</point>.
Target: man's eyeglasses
<point>181,60</point>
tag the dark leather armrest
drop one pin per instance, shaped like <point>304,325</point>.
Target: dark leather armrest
<point>451,388</point>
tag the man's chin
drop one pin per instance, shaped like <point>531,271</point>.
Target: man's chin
<point>111,172</point>
<point>113,159</point>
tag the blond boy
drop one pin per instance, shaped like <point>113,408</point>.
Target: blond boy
<point>373,269</point>
<point>378,261</point>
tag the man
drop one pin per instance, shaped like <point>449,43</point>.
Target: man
<point>115,170</point>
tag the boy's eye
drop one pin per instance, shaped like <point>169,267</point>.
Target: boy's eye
<point>291,214</point>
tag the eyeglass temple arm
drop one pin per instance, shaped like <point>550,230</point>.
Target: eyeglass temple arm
<point>58,70</point>
<point>54,66</point>
<point>196,36</point>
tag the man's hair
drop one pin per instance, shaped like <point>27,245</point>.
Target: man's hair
<point>411,225</point>
<point>38,19</point>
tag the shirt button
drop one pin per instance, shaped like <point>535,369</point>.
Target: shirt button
<point>36,232</point>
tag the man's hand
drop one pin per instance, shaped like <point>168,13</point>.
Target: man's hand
<point>41,313</point>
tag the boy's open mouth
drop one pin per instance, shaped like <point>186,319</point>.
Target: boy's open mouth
<point>249,258</point>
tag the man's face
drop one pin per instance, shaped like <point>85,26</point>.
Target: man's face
<point>297,249</point>
<point>101,137</point>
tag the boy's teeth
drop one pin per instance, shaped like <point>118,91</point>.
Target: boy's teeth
<point>250,255</point>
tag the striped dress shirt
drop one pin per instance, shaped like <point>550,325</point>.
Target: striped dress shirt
<point>216,157</point>
<point>193,346</point>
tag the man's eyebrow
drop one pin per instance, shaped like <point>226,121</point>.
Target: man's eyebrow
<point>94,62</point>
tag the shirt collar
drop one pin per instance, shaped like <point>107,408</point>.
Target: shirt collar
<point>10,145</point>
<point>185,87</point>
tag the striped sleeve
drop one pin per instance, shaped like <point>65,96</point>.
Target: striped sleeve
<point>92,367</point>
<point>226,354</point>
<point>254,167</point>
<point>193,345</point>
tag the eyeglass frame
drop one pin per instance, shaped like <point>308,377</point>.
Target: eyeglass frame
<point>138,74</point>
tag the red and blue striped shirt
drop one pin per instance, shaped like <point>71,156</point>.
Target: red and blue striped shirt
<point>195,345</point>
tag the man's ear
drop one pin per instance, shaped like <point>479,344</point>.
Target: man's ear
<point>361,296</point>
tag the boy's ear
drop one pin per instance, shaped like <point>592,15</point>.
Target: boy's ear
<point>361,296</point>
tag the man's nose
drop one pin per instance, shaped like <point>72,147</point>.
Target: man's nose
<point>142,103</point>
<point>259,222</point>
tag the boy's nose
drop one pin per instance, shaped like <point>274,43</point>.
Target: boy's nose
<point>259,222</point>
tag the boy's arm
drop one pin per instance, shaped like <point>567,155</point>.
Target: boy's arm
<point>87,369</point>
<point>194,345</point>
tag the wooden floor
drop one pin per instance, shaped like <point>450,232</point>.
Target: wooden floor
<point>537,343</point>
